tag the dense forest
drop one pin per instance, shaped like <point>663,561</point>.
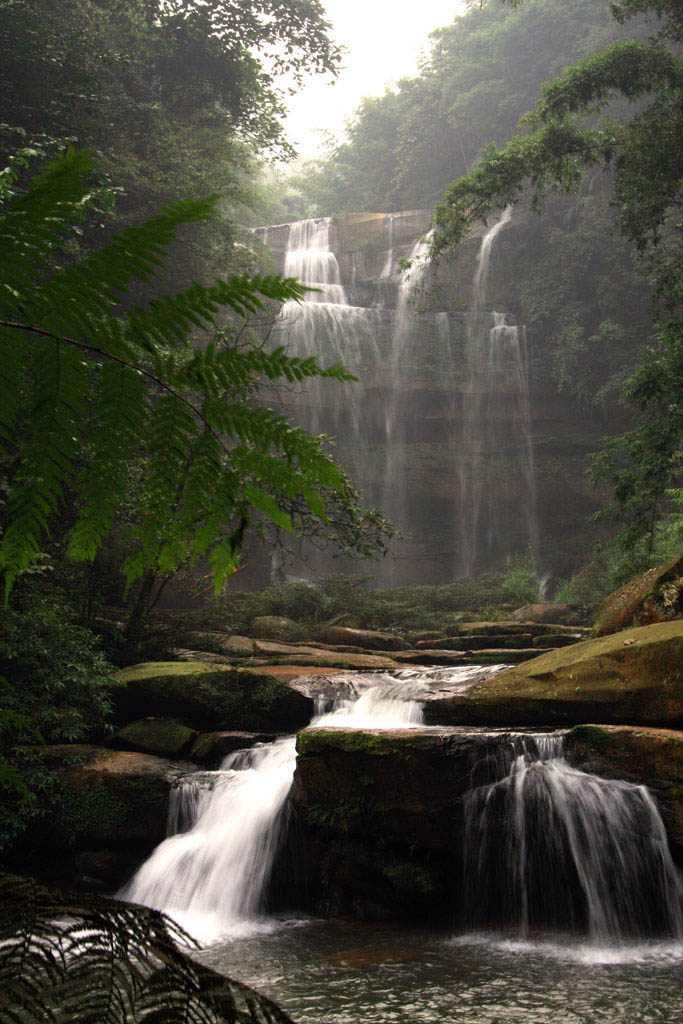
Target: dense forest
<point>150,449</point>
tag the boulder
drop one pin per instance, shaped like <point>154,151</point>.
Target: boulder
<point>164,737</point>
<point>634,677</point>
<point>555,613</point>
<point>108,810</point>
<point>656,596</point>
<point>653,757</point>
<point>209,695</point>
<point>377,814</point>
<point>210,748</point>
<point>368,639</point>
<point>268,626</point>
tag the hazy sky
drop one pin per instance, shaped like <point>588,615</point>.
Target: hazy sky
<point>384,39</point>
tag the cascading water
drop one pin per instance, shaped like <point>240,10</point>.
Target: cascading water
<point>496,463</point>
<point>326,325</point>
<point>397,424</point>
<point>212,877</point>
<point>547,845</point>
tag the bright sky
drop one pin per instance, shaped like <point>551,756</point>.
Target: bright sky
<point>384,39</point>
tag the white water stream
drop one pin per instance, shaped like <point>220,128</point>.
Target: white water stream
<point>496,460</point>
<point>212,878</point>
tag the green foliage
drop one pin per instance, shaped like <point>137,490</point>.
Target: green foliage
<point>89,388</point>
<point>346,600</point>
<point>643,153</point>
<point>132,967</point>
<point>57,677</point>
<point>521,578</point>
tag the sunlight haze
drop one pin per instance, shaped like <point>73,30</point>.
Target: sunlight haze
<point>384,41</point>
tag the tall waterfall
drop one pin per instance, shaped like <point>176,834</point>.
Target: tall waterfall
<point>442,395</point>
<point>548,845</point>
<point>327,326</point>
<point>496,461</point>
<point>212,878</point>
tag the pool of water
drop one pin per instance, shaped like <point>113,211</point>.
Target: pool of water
<point>355,973</point>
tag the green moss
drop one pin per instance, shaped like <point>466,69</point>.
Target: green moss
<point>407,875</point>
<point>162,736</point>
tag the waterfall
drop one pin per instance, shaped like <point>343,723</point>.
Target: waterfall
<point>212,877</point>
<point>548,845</point>
<point>388,268</point>
<point>399,375</point>
<point>325,325</point>
<point>498,508</point>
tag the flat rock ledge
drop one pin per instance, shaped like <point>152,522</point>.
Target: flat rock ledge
<point>634,677</point>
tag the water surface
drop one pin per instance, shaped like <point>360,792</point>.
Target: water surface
<point>355,973</point>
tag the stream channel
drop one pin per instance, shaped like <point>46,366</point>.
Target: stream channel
<point>594,850</point>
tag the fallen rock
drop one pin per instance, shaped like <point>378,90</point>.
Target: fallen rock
<point>567,614</point>
<point>164,737</point>
<point>210,695</point>
<point>653,757</point>
<point>656,596</point>
<point>634,677</point>
<point>366,638</point>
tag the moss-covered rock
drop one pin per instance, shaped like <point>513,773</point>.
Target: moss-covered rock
<point>656,596</point>
<point>380,817</point>
<point>639,754</point>
<point>268,626</point>
<point>634,677</point>
<point>164,737</point>
<point>211,696</point>
<point>106,807</point>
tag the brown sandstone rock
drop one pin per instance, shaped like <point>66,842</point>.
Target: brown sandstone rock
<point>639,754</point>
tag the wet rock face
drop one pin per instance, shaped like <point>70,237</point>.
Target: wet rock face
<point>378,816</point>
<point>653,757</point>
<point>656,596</point>
<point>634,677</point>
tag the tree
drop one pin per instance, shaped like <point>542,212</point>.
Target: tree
<point>89,389</point>
<point>644,155</point>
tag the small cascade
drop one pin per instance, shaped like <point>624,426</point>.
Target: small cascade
<point>497,487</point>
<point>547,845</point>
<point>213,876</point>
<point>388,268</point>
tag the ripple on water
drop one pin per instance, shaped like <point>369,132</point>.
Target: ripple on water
<point>343,973</point>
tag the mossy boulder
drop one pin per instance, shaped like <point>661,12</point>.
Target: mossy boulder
<point>164,737</point>
<point>378,814</point>
<point>655,596</point>
<point>205,696</point>
<point>653,757</point>
<point>268,626</point>
<point>106,807</point>
<point>634,677</point>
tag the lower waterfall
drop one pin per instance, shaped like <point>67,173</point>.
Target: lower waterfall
<point>547,845</point>
<point>212,877</point>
